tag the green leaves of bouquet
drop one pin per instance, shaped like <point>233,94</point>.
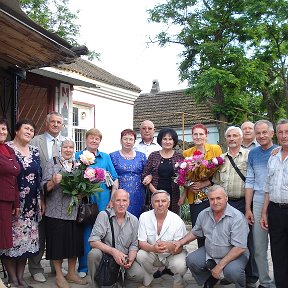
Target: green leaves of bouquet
<point>82,181</point>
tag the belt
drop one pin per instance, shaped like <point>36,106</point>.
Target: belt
<point>280,205</point>
<point>235,199</point>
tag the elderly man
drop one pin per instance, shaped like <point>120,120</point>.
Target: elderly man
<point>126,244</point>
<point>232,176</point>
<point>255,179</point>
<point>147,144</point>
<point>276,205</point>
<point>158,228</point>
<point>249,141</point>
<point>225,251</point>
<point>49,146</point>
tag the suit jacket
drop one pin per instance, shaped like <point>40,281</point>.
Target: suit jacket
<point>40,141</point>
<point>9,170</point>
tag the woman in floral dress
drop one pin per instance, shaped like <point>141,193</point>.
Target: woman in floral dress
<point>25,226</point>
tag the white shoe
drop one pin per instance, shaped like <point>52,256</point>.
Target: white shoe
<point>39,277</point>
<point>82,274</point>
<point>64,271</point>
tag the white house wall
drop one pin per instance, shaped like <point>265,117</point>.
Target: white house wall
<point>113,111</point>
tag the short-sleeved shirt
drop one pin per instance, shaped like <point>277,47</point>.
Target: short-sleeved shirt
<point>227,176</point>
<point>173,229</point>
<point>125,234</point>
<point>277,180</point>
<point>230,231</point>
<point>147,149</point>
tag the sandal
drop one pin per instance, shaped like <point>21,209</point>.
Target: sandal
<point>62,283</point>
<point>77,280</point>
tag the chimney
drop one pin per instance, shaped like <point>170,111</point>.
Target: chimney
<point>155,87</point>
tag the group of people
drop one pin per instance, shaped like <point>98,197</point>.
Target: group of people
<point>249,184</point>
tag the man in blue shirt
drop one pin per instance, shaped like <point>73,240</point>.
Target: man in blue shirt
<point>254,196</point>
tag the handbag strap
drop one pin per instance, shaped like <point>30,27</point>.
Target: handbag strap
<point>236,168</point>
<point>112,228</point>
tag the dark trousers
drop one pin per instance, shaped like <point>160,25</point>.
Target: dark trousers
<point>251,267</point>
<point>278,231</point>
<point>195,209</point>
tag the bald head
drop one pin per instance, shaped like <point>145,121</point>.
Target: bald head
<point>147,131</point>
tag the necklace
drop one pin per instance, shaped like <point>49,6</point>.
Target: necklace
<point>129,155</point>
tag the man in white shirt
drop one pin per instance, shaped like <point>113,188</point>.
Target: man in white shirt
<point>158,228</point>
<point>147,144</point>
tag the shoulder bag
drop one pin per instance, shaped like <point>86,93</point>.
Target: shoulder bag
<point>108,272</point>
<point>236,168</point>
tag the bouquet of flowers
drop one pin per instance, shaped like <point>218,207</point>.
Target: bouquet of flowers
<point>82,180</point>
<point>195,168</point>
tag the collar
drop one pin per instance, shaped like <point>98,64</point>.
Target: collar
<point>49,137</point>
<point>241,151</point>
<point>227,213</point>
<point>112,213</point>
<point>152,143</point>
<point>253,143</point>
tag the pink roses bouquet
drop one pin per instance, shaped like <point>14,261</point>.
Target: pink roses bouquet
<point>195,168</point>
<point>83,180</point>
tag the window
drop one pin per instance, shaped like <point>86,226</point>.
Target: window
<point>79,137</point>
<point>75,116</point>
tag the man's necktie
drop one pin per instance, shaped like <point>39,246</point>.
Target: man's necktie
<point>55,151</point>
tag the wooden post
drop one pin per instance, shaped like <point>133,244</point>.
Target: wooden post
<point>183,127</point>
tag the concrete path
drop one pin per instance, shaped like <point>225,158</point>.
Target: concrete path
<point>165,281</point>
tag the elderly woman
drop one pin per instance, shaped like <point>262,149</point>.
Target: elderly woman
<point>63,235</point>
<point>129,165</point>
<point>161,166</point>
<point>195,191</point>
<point>9,194</point>
<point>25,226</point>
<point>102,160</point>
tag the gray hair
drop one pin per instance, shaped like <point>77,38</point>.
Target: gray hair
<point>161,192</point>
<point>216,187</point>
<point>53,113</point>
<point>234,128</point>
<point>119,190</point>
<point>245,123</point>
<point>280,122</point>
<point>67,140</point>
<point>268,123</point>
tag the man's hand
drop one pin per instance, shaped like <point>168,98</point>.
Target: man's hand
<point>264,221</point>
<point>177,246</point>
<point>161,247</point>
<point>119,257</point>
<point>216,271</point>
<point>249,216</point>
<point>16,212</point>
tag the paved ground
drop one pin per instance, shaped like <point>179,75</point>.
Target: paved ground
<point>165,281</point>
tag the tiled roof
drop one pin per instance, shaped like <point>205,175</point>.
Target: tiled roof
<point>89,70</point>
<point>165,109</point>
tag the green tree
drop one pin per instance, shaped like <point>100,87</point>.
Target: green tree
<point>56,17</point>
<point>234,54</point>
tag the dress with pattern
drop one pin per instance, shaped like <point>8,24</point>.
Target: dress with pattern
<point>25,227</point>
<point>129,172</point>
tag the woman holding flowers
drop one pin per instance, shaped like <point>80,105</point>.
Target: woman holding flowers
<point>63,235</point>
<point>102,160</point>
<point>197,198</point>
<point>161,166</point>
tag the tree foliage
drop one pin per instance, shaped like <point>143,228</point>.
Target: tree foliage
<point>56,17</point>
<point>234,54</point>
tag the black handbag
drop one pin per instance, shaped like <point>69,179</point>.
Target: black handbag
<point>147,205</point>
<point>108,272</point>
<point>87,213</point>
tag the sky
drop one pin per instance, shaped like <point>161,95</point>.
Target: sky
<point>119,30</point>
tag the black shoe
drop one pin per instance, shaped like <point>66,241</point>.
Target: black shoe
<point>157,274</point>
<point>167,271</point>
<point>224,282</point>
<point>211,282</point>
